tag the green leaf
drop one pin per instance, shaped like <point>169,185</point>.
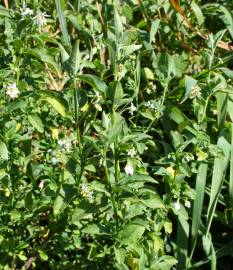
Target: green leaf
<point>198,13</point>
<point>118,24</point>
<point>152,200</point>
<point>45,57</point>
<point>189,84</point>
<point>231,172</point>
<point>3,151</point>
<point>95,229</point>
<point>62,22</point>
<point>57,101</point>
<point>164,263</point>
<point>64,54</point>
<point>76,57</point>
<point>154,29</point>
<point>182,242</point>
<point>148,73</point>
<point>198,203</point>
<point>36,122</point>
<point>127,50</point>
<point>115,131</point>
<point>136,178</point>
<point>227,19</point>
<point>220,166</point>
<point>130,234</point>
<point>94,82</point>
<point>63,198</point>
<point>115,92</point>
<point>169,66</point>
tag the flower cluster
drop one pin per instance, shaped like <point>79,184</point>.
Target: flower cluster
<point>66,144</point>
<point>132,152</point>
<point>12,90</point>
<point>177,205</point>
<point>39,19</point>
<point>151,88</point>
<point>195,92</point>
<point>86,192</point>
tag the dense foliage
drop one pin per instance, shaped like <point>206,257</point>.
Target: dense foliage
<point>116,134</point>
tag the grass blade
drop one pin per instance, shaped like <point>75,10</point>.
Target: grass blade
<point>222,108</point>
<point>182,242</point>
<point>62,22</point>
<point>198,204</point>
<point>220,166</point>
<point>231,172</point>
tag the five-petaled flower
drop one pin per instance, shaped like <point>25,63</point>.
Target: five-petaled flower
<point>12,90</point>
<point>40,19</point>
<point>132,109</point>
<point>24,11</point>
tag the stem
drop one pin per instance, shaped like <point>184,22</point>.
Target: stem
<point>76,107</point>
<point>164,93</point>
<point>113,199</point>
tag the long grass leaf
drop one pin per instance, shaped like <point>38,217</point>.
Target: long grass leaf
<point>62,22</point>
<point>182,242</point>
<point>231,172</point>
<point>220,165</point>
<point>222,99</point>
<point>221,252</point>
<point>198,204</point>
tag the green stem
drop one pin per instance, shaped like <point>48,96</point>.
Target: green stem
<point>76,107</point>
<point>164,93</point>
<point>113,199</point>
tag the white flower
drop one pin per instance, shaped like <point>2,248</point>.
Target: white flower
<point>132,152</point>
<point>40,19</point>
<point>12,90</point>
<point>132,109</point>
<point>86,192</point>
<point>215,112</point>
<point>25,11</point>
<point>41,184</point>
<point>195,92</point>
<point>177,205</point>
<point>54,160</point>
<point>66,144</point>
<point>129,170</point>
<point>150,105</point>
<point>187,204</point>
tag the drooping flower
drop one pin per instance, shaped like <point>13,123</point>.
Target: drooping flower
<point>129,169</point>
<point>177,205</point>
<point>24,11</point>
<point>41,185</point>
<point>12,90</point>
<point>187,204</point>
